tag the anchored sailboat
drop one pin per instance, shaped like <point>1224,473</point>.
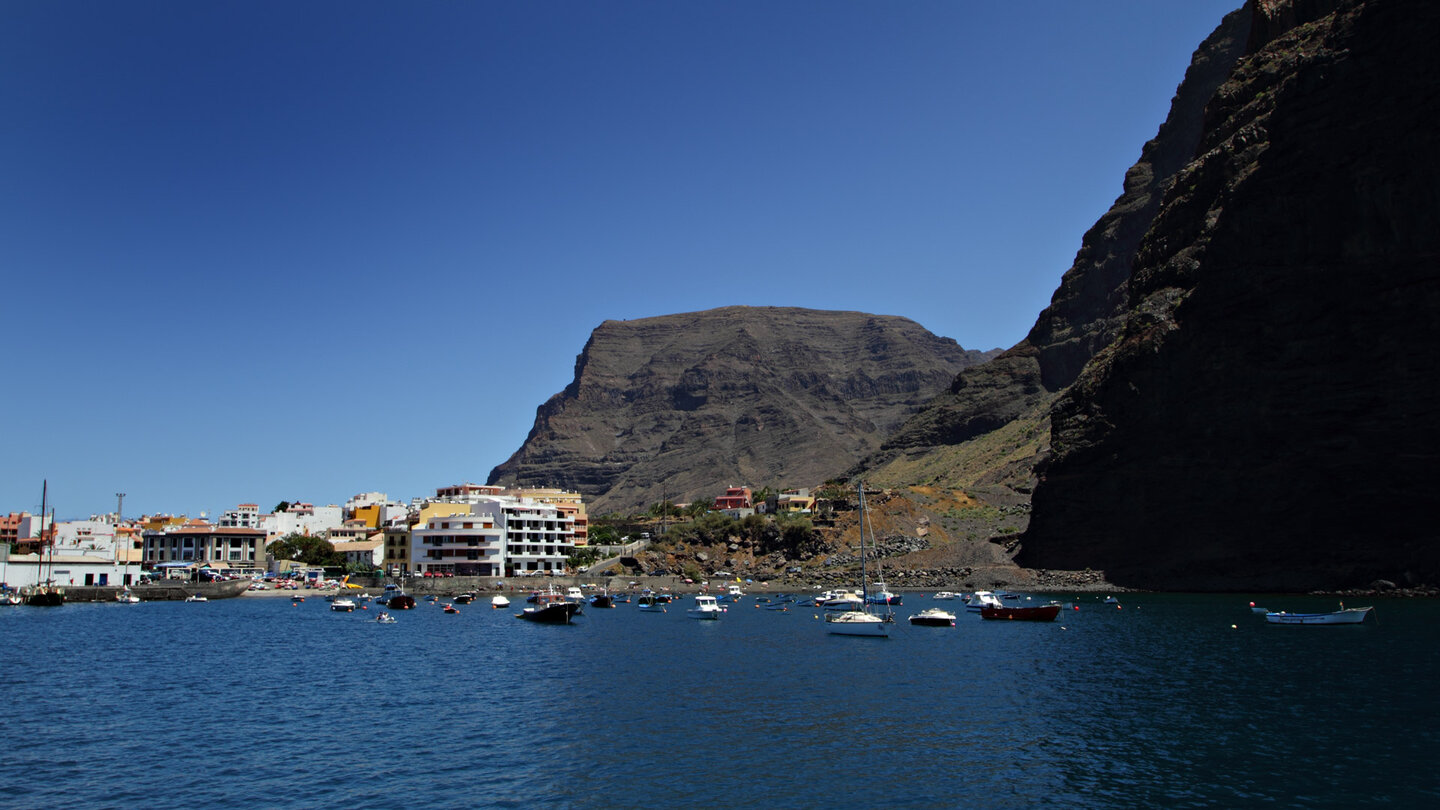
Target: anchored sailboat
<point>859,622</point>
<point>46,593</point>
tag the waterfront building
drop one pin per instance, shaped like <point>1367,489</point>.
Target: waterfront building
<point>539,537</point>
<point>396,556</point>
<point>463,544</point>
<point>205,544</point>
<point>301,518</point>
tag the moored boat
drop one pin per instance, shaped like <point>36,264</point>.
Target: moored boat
<point>400,601</point>
<point>550,608</point>
<point>859,621</point>
<point>649,603</point>
<point>1043,613</point>
<point>706,607</point>
<point>602,599</point>
<point>1342,616</point>
<point>464,598</point>
<point>449,608</point>
<point>499,601</point>
<point>933,617</point>
<point>196,597</point>
<point>343,605</point>
<point>980,600</point>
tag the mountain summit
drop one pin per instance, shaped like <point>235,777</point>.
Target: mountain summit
<point>678,406</point>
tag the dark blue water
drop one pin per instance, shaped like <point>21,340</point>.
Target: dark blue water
<point>252,702</point>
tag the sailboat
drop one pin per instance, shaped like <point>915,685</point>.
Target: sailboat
<point>46,593</point>
<point>860,622</point>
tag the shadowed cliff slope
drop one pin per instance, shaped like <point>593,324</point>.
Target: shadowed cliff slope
<point>1085,314</point>
<point>679,406</point>
<point>1267,417</point>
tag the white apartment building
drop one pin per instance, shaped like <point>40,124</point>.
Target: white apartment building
<point>301,518</point>
<point>244,516</point>
<point>463,545</point>
<point>502,535</point>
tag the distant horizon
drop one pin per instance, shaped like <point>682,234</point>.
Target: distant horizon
<point>264,250</point>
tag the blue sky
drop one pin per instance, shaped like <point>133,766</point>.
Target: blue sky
<point>263,251</point>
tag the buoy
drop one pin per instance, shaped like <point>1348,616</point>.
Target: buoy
<point>1232,627</point>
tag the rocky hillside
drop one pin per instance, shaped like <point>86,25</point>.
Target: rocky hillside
<point>679,406</point>
<point>987,432</point>
<point>1266,417</point>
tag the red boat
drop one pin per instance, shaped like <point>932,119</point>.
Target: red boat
<point>1046,613</point>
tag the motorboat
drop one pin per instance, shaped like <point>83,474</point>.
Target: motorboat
<point>933,617</point>
<point>650,603</point>
<point>980,600</point>
<point>499,600</point>
<point>400,601</point>
<point>343,605</point>
<point>734,592</point>
<point>125,597</point>
<point>196,597</point>
<point>296,599</point>
<point>1043,613</point>
<point>385,618</point>
<point>602,599</point>
<point>463,598</point>
<point>880,596</point>
<point>1111,600</point>
<point>856,623</point>
<point>450,608</point>
<point>1343,616</point>
<point>944,595</point>
<point>574,594</point>
<point>841,601</point>
<point>1262,611</point>
<point>706,607</point>
<point>550,608</point>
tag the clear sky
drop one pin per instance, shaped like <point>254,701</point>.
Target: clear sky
<point>296,250</point>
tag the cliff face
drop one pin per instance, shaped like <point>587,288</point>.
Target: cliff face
<point>680,406</point>
<point>1087,311</point>
<point>1266,417</point>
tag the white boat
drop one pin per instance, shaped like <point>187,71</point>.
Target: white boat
<point>125,597</point>
<point>343,605</point>
<point>385,618</point>
<point>879,595</point>
<point>980,600</point>
<point>574,594</point>
<point>1110,600</point>
<point>859,622</point>
<point>499,601</point>
<point>1342,616</point>
<point>933,617</point>
<point>10,600</point>
<point>1262,611</point>
<point>943,595</point>
<point>706,607</point>
<point>196,597</point>
<point>734,592</point>
<point>840,601</point>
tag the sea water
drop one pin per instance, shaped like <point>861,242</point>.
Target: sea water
<point>1163,701</point>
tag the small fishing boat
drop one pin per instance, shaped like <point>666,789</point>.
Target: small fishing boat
<point>650,603</point>
<point>933,617</point>
<point>574,594</point>
<point>449,608</point>
<point>1262,611</point>
<point>464,598</point>
<point>550,608</point>
<point>944,595</point>
<point>1111,600</point>
<point>602,599</point>
<point>881,596</point>
<point>343,605</point>
<point>1342,616</point>
<point>706,607</point>
<point>1044,613</point>
<point>385,618</point>
<point>296,599</point>
<point>125,597</point>
<point>196,597</point>
<point>499,601</point>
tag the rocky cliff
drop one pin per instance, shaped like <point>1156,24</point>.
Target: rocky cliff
<point>1266,416</point>
<point>1085,314</point>
<point>679,406</point>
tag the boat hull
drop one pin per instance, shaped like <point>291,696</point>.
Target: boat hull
<point>857,624</point>
<point>1046,613</point>
<point>175,590</point>
<point>1347,616</point>
<point>554,613</point>
<point>933,618</point>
